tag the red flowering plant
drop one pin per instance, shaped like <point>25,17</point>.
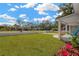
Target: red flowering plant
<point>68,50</point>
<point>68,45</point>
<point>71,48</point>
<point>62,52</point>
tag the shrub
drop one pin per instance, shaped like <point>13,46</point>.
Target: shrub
<point>68,50</point>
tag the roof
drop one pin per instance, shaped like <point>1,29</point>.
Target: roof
<point>72,19</point>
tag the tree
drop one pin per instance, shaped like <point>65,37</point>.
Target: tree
<point>46,25</point>
<point>29,26</point>
<point>21,23</point>
<point>66,8</point>
<point>16,26</point>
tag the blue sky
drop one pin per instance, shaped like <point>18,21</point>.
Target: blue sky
<point>30,12</point>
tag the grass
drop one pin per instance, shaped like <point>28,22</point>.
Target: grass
<point>29,45</point>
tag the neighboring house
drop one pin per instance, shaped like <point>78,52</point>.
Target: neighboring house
<point>71,21</point>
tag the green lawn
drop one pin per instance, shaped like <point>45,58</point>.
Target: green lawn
<point>29,45</point>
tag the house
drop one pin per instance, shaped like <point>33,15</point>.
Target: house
<point>71,21</point>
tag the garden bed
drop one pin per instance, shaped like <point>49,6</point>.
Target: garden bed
<point>68,50</point>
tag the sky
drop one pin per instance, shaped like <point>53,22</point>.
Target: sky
<point>29,12</point>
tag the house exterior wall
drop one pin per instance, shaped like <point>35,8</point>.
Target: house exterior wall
<point>74,29</point>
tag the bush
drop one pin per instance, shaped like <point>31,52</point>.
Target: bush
<point>68,50</point>
<point>75,41</point>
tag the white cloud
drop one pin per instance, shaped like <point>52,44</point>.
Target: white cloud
<point>22,15</point>
<point>45,7</point>
<point>43,13</point>
<point>6,23</point>
<point>48,6</point>
<point>12,9</point>
<point>9,4</point>
<point>26,20</point>
<point>57,14</point>
<point>21,6</point>
<point>52,20</point>
<point>28,5</point>
<point>48,17</point>
<point>16,6</point>
<point>12,21</point>
<point>7,17</point>
<point>60,13</point>
<point>43,18</point>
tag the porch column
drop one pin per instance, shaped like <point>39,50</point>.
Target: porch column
<point>69,29</point>
<point>59,29</point>
<point>66,28</point>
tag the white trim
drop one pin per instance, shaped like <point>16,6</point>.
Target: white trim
<point>72,19</point>
<point>66,28</point>
<point>59,29</point>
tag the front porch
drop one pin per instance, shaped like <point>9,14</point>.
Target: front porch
<point>71,25</point>
<point>71,22</point>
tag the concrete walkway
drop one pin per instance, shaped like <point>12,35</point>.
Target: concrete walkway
<point>53,34</point>
<point>65,37</point>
